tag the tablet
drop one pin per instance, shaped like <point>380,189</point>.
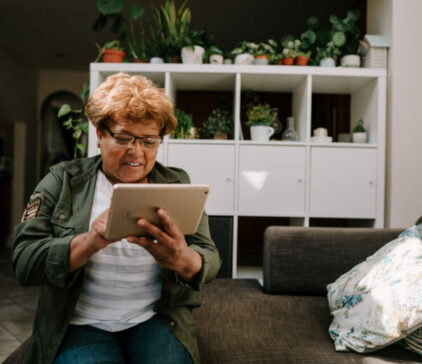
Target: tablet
<point>183,202</point>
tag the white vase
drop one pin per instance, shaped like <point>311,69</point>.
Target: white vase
<point>244,58</point>
<point>261,132</point>
<point>360,137</point>
<point>351,60</point>
<point>192,56</point>
<point>156,60</point>
<point>216,59</point>
<point>327,62</point>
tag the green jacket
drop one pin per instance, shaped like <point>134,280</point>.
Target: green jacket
<point>58,210</point>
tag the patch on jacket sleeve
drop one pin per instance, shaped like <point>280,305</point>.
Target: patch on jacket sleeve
<point>33,206</point>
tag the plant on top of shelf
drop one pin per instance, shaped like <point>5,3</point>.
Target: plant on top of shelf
<point>76,121</point>
<point>327,56</point>
<point>290,51</point>
<point>173,25</point>
<point>185,127</point>
<point>219,124</point>
<point>264,51</point>
<point>243,52</point>
<point>110,52</point>
<point>126,29</point>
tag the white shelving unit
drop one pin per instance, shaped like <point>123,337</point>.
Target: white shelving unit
<point>297,180</point>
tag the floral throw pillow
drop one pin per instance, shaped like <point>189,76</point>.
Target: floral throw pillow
<point>379,301</point>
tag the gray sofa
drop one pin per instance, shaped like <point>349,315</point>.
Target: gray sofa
<point>287,320</point>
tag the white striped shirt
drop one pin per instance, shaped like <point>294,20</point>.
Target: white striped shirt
<point>121,282</point>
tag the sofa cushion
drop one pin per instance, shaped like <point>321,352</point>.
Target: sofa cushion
<point>378,301</point>
<point>299,260</point>
<point>238,323</point>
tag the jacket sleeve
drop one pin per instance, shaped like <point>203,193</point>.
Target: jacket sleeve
<point>42,240</point>
<point>202,243</point>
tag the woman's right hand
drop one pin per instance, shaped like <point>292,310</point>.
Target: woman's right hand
<point>84,245</point>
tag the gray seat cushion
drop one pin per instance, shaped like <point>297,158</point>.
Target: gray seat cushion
<point>238,323</point>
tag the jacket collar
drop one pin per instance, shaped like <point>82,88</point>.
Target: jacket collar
<point>81,170</point>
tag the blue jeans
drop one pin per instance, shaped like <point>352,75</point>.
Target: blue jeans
<point>150,342</point>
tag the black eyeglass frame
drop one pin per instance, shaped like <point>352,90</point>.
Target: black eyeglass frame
<point>134,138</point>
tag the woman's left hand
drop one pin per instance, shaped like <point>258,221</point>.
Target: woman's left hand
<point>169,247</point>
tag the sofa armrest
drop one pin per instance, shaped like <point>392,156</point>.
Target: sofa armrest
<point>299,260</point>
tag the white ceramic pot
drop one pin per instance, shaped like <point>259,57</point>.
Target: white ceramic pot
<point>261,132</point>
<point>156,60</point>
<point>360,137</point>
<point>351,60</point>
<point>327,62</point>
<point>244,58</point>
<point>216,59</point>
<point>192,56</point>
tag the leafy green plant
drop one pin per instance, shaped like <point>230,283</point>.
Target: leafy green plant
<point>126,29</point>
<point>261,114</point>
<point>359,128</point>
<point>330,51</point>
<point>173,25</point>
<point>184,124</point>
<point>220,121</point>
<point>345,32</point>
<point>76,121</point>
<point>292,49</point>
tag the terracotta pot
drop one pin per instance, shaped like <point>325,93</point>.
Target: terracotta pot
<point>113,55</point>
<point>139,61</point>
<point>288,61</point>
<point>301,61</point>
<point>218,135</point>
<point>175,59</point>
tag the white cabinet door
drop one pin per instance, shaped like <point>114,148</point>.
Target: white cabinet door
<point>343,182</point>
<point>208,164</point>
<point>272,180</point>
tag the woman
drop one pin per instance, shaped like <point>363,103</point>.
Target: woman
<point>101,300</point>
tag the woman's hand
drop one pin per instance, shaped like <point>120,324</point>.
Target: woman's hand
<point>169,247</point>
<point>84,245</point>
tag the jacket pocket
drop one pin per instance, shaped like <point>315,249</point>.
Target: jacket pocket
<point>62,219</point>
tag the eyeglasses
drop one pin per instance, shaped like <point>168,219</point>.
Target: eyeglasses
<point>125,140</point>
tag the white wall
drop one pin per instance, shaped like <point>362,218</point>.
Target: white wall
<point>399,21</point>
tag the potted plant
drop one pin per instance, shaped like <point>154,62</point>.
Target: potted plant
<point>290,52</point>
<point>243,53</point>
<point>264,51</point>
<point>302,58</point>
<point>185,127</point>
<point>125,29</point>
<point>260,118</point>
<point>193,50</point>
<point>76,121</point>
<point>349,32</point>
<point>111,52</point>
<point>328,55</point>
<point>173,27</point>
<point>219,124</point>
<point>215,55</point>
<point>359,133</point>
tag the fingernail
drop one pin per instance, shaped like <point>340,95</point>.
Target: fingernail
<point>141,222</point>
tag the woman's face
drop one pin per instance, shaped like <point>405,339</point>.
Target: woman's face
<point>128,163</point>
